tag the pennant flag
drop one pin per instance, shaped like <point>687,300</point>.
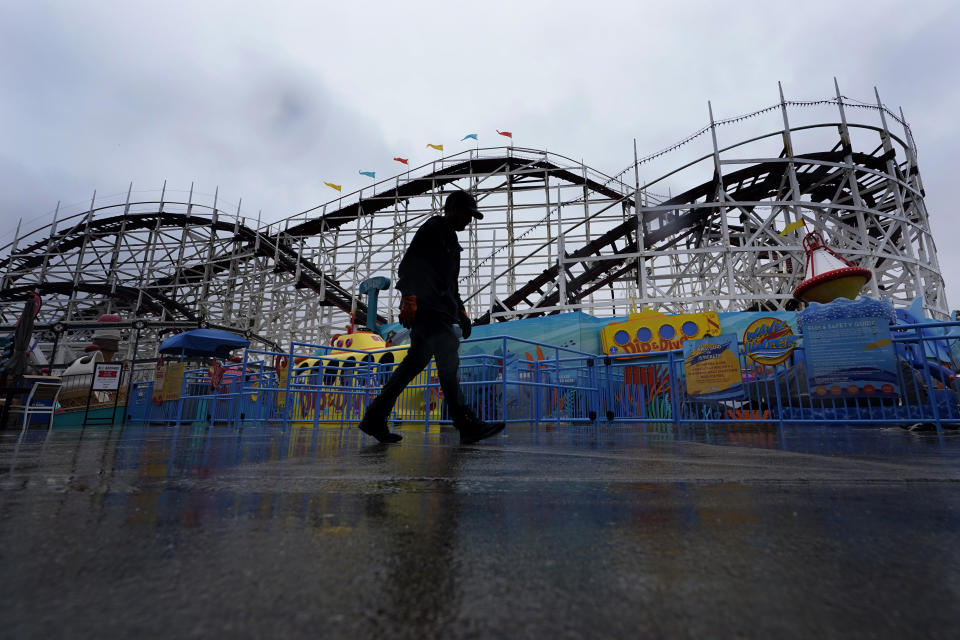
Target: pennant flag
<point>332,186</point>
<point>505,133</point>
<point>469,135</point>
<point>793,226</point>
<point>438,147</point>
<point>372,174</point>
<point>403,160</point>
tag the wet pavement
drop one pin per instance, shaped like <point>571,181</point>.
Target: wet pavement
<point>576,532</point>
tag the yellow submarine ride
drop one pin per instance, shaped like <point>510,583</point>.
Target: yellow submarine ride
<point>336,387</point>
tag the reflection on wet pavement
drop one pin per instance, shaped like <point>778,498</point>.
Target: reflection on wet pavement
<point>600,531</point>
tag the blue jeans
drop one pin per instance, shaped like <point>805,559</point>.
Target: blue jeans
<point>430,337</point>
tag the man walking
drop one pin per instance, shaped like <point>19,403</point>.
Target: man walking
<point>428,282</point>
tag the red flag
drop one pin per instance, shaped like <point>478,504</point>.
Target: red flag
<point>505,133</point>
<point>403,160</point>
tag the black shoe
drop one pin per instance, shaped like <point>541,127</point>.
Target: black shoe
<point>471,427</point>
<point>379,431</point>
<point>479,431</point>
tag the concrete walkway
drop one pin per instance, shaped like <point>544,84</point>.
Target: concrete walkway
<point>578,532</point>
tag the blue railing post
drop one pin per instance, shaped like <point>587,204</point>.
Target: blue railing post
<point>287,395</point>
<point>183,390</point>
<point>593,383</point>
<point>674,389</point>
<point>776,391</point>
<point>238,413</point>
<point>317,393</point>
<point>537,396</point>
<point>561,395</point>
<point>608,388</point>
<point>928,379</point>
<point>426,398</point>
<point>503,379</point>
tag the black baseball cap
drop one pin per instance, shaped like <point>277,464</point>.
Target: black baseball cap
<point>464,201</point>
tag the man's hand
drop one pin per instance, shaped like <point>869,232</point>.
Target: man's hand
<point>466,327</point>
<point>408,310</point>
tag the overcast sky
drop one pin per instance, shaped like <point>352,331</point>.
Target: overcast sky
<point>269,100</point>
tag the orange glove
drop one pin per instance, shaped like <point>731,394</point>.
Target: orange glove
<point>408,310</point>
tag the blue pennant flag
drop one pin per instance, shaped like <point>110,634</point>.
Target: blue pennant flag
<point>372,174</point>
<point>469,135</point>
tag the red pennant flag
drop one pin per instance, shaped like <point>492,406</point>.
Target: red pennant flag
<point>505,133</point>
<point>403,160</point>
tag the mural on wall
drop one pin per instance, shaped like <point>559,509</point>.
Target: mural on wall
<point>646,392</point>
<point>651,332</point>
<point>578,331</point>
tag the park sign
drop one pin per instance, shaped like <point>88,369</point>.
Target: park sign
<point>769,341</point>
<point>711,367</point>
<point>651,331</point>
<point>106,376</point>
<point>850,357</point>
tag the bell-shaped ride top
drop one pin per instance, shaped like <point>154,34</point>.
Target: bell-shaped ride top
<point>828,275</point>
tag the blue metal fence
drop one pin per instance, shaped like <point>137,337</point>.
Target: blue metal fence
<point>517,380</point>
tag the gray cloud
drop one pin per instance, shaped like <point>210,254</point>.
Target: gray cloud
<point>100,114</point>
<point>270,102</point>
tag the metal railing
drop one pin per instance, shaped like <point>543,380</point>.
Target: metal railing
<point>521,381</point>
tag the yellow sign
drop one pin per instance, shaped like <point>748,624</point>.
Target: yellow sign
<point>769,341</point>
<point>712,368</point>
<point>650,331</point>
<point>173,381</point>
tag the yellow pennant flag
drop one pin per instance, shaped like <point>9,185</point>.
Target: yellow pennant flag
<point>332,186</point>
<point>438,147</point>
<point>793,226</point>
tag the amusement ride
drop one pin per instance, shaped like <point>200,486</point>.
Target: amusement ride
<point>823,198</point>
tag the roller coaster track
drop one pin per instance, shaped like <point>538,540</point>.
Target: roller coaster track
<point>817,175</point>
<point>149,302</point>
<point>452,173</point>
<point>286,258</point>
<point>272,246</point>
<point>713,246</point>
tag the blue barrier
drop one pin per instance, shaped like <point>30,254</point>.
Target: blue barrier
<point>521,381</point>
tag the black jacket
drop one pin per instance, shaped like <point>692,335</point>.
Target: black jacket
<point>430,269</point>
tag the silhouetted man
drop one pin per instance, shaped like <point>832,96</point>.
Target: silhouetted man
<point>428,281</point>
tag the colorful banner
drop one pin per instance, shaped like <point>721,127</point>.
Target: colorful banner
<point>712,369</point>
<point>850,358</point>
